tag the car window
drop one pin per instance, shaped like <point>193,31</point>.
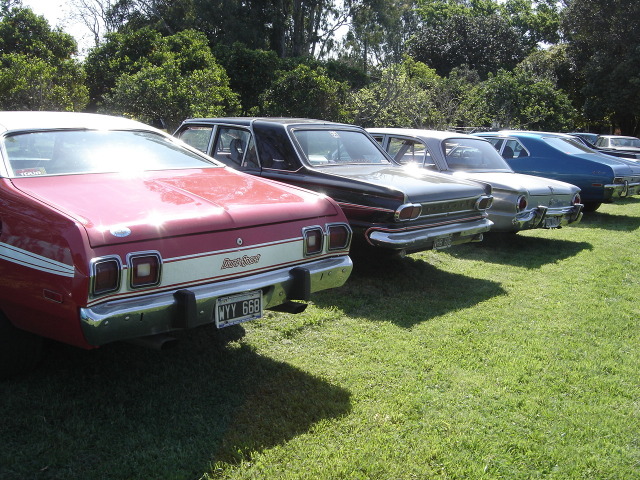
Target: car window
<point>197,136</point>
<point>625,142</point>
<point>338,147</point>
<point>467,154</point>
<point>601,142</point>
<point>566,145</point>
<point>514,149</point>
<point>496,142</point>
<point>405,150</point>
<point>90,151</point>
<point>235,147</point>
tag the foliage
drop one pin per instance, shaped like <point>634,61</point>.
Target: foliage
<point>518,100</point>
<point>482,43</point>
<point>401,97</point>
<point>37,71</point>
<point>179,79</point>
<point>603,38</point>
<point>304,92</point>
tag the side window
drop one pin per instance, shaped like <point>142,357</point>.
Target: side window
<point>236,148</point>
<point>514,149</point>
<point>197,136</point>
<point>405,150</point>
<point>496,142</point>
<point>601,142</point>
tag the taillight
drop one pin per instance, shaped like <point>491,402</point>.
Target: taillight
<point>144,269</point>
<point>408,211</point>
<point>339,236</point>
<point>106,276</point>
<point>484,202</point>
<point>313,240</point>
<point>576,199</point>
<point>521,203</point>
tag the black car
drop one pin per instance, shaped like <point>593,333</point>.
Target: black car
<point>389,206</point>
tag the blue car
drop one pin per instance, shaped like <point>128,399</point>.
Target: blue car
<point>601,178</point>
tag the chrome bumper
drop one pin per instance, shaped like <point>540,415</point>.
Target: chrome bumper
<point>187,308</point>
<point>427,238</point>
<point>623,189</point>
<point>547,217</point>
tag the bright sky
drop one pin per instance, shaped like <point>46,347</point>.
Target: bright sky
<point>57,12</point>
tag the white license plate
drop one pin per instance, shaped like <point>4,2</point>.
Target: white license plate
<point>238,308</point>
<point>442,242</point>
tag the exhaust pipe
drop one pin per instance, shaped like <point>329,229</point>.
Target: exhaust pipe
<point>155,342</point>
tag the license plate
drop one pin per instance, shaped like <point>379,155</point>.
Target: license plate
<point>551,222</point>
<point>238,308</point>
<point>442,242</point>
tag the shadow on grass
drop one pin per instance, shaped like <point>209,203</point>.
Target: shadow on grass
<point>126,412</point>
<point>608,221</point>
<point>519,250</point>
<point>406,291</point>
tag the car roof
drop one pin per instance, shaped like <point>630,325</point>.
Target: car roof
<point>419,132</point>
<point>527,133</point>
<point>620,136</point>
<point>272,120</point>
<point>31,120</point>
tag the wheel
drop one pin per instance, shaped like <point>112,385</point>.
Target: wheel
<point>591,206</point>
<point>19,350</point>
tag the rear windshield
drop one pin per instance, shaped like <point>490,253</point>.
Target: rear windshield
<point>338,147</point>
<point>91,151</point>
<point>467,154</point>
<point>567,145</point>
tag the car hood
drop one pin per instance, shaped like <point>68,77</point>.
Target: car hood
<point>114,208</point>
<point>520,182</point>
<point>416,184</point>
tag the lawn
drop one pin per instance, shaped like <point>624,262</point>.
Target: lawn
<point>515,358</point>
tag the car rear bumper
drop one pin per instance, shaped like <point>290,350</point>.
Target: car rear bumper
<point>130,318</point>
<point>548,217</point>
<point>429,237</point>
<point>623,189</point>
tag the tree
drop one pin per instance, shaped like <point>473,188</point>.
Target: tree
<point>603,38</point>
<point>402,97</point>
<point>483,43</point>
<point>38,71</point>
<point>304,92</point>
<point>180,78</point>
<point>518,100</point>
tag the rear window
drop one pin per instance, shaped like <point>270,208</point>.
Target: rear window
<point>92,151</point>
<point>338,147</point>
<point>469,154</point>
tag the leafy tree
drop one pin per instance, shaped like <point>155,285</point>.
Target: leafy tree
<point>518,100</point>
<point>180,78</point>
<point>603,38</point>
<point>484,43</point>
<point>38,71</point>
<point>402,97</point>
<point>304,92</point>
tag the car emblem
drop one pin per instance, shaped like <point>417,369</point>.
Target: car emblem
<point>120,232</point>
<point>239,241</point>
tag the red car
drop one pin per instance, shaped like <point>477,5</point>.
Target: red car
<point>112,230</point>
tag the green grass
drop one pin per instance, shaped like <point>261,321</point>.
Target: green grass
<point>515,358</point>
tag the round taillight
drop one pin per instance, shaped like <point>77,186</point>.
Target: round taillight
<point>522,203</point>
<point>576,199</point>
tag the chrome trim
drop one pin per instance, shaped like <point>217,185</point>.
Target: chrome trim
<point>151,314</point>
<point>421,239</point>
<point>396,214</point>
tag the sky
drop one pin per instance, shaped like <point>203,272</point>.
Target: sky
<point>57,12</point>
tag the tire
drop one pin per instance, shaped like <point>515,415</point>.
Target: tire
<point>591,206</point>
<point>20,351</point>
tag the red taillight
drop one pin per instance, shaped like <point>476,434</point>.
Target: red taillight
<point>576,199</point>
<point>339,237</point>
<point>408,211</point>
<point>106,276</point>
<point>313,241</point>
<point>522,203</point>
<point>144,270</point>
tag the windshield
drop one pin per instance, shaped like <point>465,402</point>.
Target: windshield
<point>567,145</point>
<point>88,151</point>
<point>466,154</point>
<point>338,147</point>
<point>625,142</point>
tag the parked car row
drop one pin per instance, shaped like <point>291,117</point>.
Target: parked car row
<point>111,230</point>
